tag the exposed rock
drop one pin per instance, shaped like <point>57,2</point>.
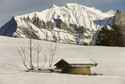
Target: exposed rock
<point>37,22</point>
<point>9,28</point>
<point>119,18</point>
<point>50,25</point>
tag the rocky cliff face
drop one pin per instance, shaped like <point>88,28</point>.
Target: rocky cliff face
<point>71,23</point>
<point>9,28</point>
<point>119,18</point>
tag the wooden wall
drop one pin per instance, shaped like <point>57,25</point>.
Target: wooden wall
<point>77,70</point>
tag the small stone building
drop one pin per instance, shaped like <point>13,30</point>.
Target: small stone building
<point>75,66</point>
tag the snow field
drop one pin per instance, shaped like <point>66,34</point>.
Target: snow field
<point>110,63</point>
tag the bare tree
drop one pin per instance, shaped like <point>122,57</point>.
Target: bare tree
<point>30,52</point>
<point>27,52</point>
<point>22,53</point>
<point>31,63</point>
<point>45,58</point>
<point>52,52</point>
<point>38,50</point>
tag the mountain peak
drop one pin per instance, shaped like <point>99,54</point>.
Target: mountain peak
<point>111,12</point>
<point>73,5</point>
<point>54,6</point>
<point>71,23</point>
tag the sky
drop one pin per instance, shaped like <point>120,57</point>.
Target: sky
<point>9,8</point>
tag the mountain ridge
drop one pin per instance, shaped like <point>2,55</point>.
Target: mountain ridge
<point>71,23</point>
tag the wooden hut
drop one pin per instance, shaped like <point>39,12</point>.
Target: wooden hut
<point>75,66</point>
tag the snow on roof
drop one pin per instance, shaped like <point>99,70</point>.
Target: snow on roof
<point>79,61</point>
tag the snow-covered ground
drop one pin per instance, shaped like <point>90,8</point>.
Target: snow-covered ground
<point>111,63</point>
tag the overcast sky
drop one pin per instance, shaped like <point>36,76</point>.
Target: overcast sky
<point>9,8</point>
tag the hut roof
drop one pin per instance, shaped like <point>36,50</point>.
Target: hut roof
<point>79,61</point>
<point>76,62</point>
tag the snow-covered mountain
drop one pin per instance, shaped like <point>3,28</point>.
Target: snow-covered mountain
<point>71,23</point>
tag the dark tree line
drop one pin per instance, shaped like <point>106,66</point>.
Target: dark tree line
<point>111,37</point>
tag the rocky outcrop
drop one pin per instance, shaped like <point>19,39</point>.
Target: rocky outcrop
<point>9,28</point>
<point>119,18</point>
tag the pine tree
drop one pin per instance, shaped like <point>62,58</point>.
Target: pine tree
<point>112,37</point>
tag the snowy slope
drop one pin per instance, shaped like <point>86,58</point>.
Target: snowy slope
<point>79,22</point>
<point>110,63</point>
